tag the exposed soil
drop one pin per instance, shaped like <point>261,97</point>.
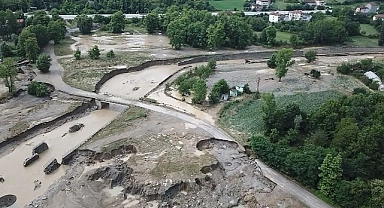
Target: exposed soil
<point>159,161</point>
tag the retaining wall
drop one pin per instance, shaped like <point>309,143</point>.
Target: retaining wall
<point>63,118</point>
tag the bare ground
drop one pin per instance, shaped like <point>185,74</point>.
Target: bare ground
<point>158,161</point>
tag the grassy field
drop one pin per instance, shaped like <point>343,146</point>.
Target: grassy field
<point>368,29</point>
<point>280,5</point>
<point>283,36</point>
<point>247,115</point>
<point>64,47</point>
<point>228,4</point>
<point>363,41</point>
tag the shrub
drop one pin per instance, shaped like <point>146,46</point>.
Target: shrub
<point>310,55</point>
<point>43,63</point>
<point>94,53</point>
<point>77,54</point>
<point>38,89</point>
<point>374,86</point>
<point>359,91</point>
<point>344,68</point>
<point>315,74</point>
<point>110,54</point>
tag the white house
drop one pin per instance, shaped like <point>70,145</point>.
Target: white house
<point>362,9</point>
<point>310,2</point>
<point>295,15</point>
<point>377,17</point>
<point>320,3</point>
<point>264,3</point>
<point>373,7</point>
<point>275,17</point>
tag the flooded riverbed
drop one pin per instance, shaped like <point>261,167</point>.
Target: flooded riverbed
<point>136,84</point>
<point>19,180</point>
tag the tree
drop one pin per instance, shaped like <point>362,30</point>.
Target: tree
<point>330,174</point>
<point>56,30</point>
<point>38,89</point>
<point>77,54</point>
<point>22,39</point>
<point>257,23</point>
<point>152,22</point>
<point>41,33</point>
<point>352,28</point>
<point>176,32</point>
<point>199,91</point>
<point>294,40</point>
<point>216,35</point>
<point>84,23</point>
<point>44,63</point>
<point>110,54</point>
<point>32,49</point>
<point>324,32</point>
<point>219,88</point>
<point>94,53</point>
<point>377,190</point>
<point>211,64</point>
<point>117,23</point>
<point>381,36</point>
<point>310,55</point>
<point>283,61</point>
<point>271,63</point>
<point>8,73</point>
<point>268,36</point>
<point>5,50</point>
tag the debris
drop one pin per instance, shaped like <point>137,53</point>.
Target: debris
<point>135,88</point>
<point>75,128</point>
<point>1,180</point>
<point>38,149</point>
<point>31,159</point>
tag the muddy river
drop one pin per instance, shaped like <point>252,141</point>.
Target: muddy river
<point>136,84</point>
<point>20,181</point>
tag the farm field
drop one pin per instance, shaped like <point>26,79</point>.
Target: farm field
<point>228,4</point>
<point>363,41</point>
<point>368,29</point>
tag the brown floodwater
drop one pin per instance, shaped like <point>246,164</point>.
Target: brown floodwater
<point>19,180</point>
<point>136,84</point>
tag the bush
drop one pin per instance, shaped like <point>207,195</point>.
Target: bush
<point>315,74</point>
<point>374,86</point>
<point>110,54</point>
<point>38,89</point>
<point>246,89</point>
<point>310,55</point>
<point>77,54</point>
<point>272,61</point>
<point>212,64</point>
<point>359,91</point>
<point>344,68</point>
<point>43,63</point>
<point>94,53</point>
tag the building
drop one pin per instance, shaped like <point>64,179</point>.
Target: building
<point>320,3</point>
<point>295,15</point>
<point>256,7</point>
<point>378,17</point>
<point>372,76</point>
<point>264,3</point>
<point>309,2</point>
<point>236,91</point>
<point>275,17</point>
<point>362,9</point>
<point>373,7</point>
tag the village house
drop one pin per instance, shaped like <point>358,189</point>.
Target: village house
<point>292,16</point>
<point>309,2</point>
<point>320,3</point>
<point>378,17</point>
<point>369,8</point>
<point>264,3</point>
<point>256,7</point>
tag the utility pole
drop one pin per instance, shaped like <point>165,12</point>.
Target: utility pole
<point>258,84</point>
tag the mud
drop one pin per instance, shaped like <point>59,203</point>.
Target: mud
<point>160,161</point>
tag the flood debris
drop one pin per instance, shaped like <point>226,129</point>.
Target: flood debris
<point>76,127</point>
<point>40,148</point>
<point>30,160</point>
<point>51,166</point>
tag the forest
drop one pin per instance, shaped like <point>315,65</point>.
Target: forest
<point>337,148</point>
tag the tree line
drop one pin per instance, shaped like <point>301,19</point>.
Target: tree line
<point>338,148</point>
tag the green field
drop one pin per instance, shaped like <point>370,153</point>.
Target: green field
<point>369,30</point>
<point>363,41</point>
<point>228,4</point>
<point>280,5</point>
<point>247,116</point>
<point>283,36</point>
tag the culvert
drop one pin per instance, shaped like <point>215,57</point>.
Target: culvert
<point>7,200</point>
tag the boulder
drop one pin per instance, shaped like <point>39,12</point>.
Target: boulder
<point>38,149</point>
<point>51,166</point>
<point>30,160</point>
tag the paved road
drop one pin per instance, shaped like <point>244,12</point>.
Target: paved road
<point>54,78</point>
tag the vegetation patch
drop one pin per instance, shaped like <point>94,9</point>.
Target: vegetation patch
<point>363,41</point>
<point>247,115</point>
<point>64,47</point>
<point>18,128</point>
<point>228,4</point>
<point>123,120</point>
<point>174,161</point>
<point>367,29</point>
